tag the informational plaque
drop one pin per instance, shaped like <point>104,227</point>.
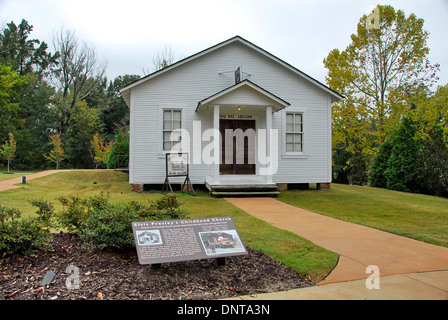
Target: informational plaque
<point>177,166</point>
<point>186,239</point>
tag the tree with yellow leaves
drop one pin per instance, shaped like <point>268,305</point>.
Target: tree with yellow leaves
<point>378,74</point>
<point>57,153</point>
<point>101,150</point>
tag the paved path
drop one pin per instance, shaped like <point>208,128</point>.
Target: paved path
<point>359,247</point>
<point>11,183</point>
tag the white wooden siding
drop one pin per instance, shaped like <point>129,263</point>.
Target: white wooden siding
<point>194,81</point>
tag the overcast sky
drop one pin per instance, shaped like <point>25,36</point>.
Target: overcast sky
<point>127,33</point>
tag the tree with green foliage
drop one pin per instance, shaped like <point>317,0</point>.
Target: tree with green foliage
<point>21,53</point>
<point>119,155</point>
<point>9,149</point>
<point>378,169</point>
<point>116,113</point>
<point>85,121</point>
<point>34,117</point>
<point>432,163</point>
<point>10,85</point>
<point>402,173</point>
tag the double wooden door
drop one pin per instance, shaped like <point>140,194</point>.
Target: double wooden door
<point>240,151</point>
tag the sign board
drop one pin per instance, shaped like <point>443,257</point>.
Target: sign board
<point>186,239</point>
<point>176,164</point>
<point>237,116</point>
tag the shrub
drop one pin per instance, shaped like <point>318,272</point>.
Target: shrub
<point>76,210</point>
<point>109,227</point>
<point>73,214</point>
<point>168,207</point>
<point>103,224</point>
<point>26,235</point>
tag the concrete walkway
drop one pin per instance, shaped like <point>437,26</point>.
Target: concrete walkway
<point>409,269</point>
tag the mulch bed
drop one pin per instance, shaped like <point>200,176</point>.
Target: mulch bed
<point>117,275</point>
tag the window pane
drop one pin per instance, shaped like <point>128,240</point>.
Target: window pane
<point>176,136</point>
<point>289,122</point>
<point>297,138</point>
<point>176,124</point>
<point>176,115</point>
<point>289,147</point>
<point>166,145</point>
<point>167,125</point>
<point>167,114</point>
<point>297,147</point>
<point>166,135</point>
<point>289,137</point>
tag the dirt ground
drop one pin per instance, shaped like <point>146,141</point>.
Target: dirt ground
<point>117,275</point>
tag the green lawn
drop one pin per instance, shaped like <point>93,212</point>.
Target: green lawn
<point>294,251</point>
<point>415,216</point>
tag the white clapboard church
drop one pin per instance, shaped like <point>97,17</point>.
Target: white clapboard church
<point>248,122</point>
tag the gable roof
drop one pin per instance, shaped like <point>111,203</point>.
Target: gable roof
<point>278,102</point>
<point>335,96</point>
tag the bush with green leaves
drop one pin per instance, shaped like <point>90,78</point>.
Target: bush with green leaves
<point>169,207</point>
<point>26,235</point>
<point>101,223</point>
<point>74,213</point>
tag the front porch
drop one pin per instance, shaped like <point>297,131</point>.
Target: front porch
<point>243,162</point>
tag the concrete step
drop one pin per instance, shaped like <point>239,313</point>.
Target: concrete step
<point>244,193</point>
<point>248,187</point>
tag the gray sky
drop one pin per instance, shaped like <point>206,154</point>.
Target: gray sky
<point>127,33</point>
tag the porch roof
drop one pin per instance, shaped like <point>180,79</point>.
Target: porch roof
<point>244,93</point>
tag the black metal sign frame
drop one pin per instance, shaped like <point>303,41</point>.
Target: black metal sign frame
<point>180,168</point>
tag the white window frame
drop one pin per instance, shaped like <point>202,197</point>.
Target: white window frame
<point>294,154</point>
<point>161,130</point>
